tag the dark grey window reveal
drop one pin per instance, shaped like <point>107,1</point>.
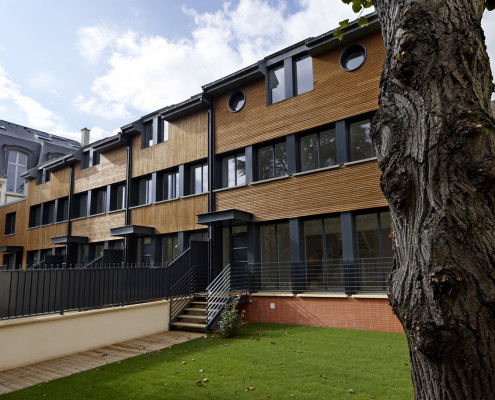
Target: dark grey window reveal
<point>96,158</point>
<point>10,223</point>
<point>162,131</point>
<point>170,185</point>
<point>16,165</point>
<point>147,140</point>
<point>318,150</point>
<point>145,191</point>
<point>48,213</point>
<point>117,197</point>
<point>98,201</point>
<point>272,161</point>
<point>63,209</point>
<point>85,160</point>
<point>234,170</point>
<point>303,70</point>
<point>352,57</point>
<point>199,178</point>
<point>360,141</point>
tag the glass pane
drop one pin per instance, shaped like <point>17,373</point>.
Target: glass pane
<point>281,168</point>
<point>120,197</point>
<point>367,235</point>
<point>265,161</point>
<point>100,201</point>
<point>277,84</point>
<point>333,238</point>
<point>355,60</point>
<point>228,171</point>
<point>205,178</point>
<point>328,148</point>
<point>386,232</point>
<point>148,132</point>
<point>309,152</point>
<point>304,75</point>
<point>361,147</point>
<point>284,268</point>
<point>268,244</point>
<point>13,157</point>
<point>142,191</point>
<point>164,132</point>
<point>241,169</point>
<point>198,175</point>
<point>22,159</point>
<point>11,175</point>
<point>313,242</point>
<point>176,192</point>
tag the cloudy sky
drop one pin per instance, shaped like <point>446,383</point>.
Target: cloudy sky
<point>101,64</point>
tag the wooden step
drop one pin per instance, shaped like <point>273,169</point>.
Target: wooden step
<point>195,311</point>
<point>189,325</point>
<point>193,318</point>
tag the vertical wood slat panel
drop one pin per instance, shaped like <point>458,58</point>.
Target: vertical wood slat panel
<point>346,188</point>
<point>336,95</point>
<point>57,187</point>
<point>97,228</point>
<point>187,142</point>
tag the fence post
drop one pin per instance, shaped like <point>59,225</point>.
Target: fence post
<point>62,292</point>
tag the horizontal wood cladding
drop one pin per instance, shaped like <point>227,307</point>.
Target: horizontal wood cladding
<point>172,216</point>
<point>39,238</point>
<point>57,187</point>
<point>336,95</point>
<point>97,228</point>
<point>111,169</point>
<point>347,188</point>
<point>187,141</point>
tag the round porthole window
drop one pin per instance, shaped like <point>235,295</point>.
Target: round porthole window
<point>237,101</point>
<point>353,57</point>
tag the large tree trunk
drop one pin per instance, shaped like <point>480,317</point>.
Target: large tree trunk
<point>435,141</point>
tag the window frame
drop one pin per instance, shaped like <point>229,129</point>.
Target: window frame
<point>224,181</point>
<point>203,167</point>
<point>17,174</point>
<point>273,151</point>
<point>10,223</point>
<point>318,134</point>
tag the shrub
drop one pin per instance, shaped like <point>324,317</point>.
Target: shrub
<point>231,320</point>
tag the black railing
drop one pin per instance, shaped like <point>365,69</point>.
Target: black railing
<point>359,275</point>
<point>56,290</point>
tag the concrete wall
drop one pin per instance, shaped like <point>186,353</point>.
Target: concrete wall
<point>25,341</point>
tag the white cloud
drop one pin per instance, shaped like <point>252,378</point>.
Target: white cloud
<point>97,133</point>
<point>145,73</point>
<point>36,115</point>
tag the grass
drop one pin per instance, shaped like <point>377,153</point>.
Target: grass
<point>266,361</point>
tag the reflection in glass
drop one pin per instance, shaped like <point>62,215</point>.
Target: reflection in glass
<point>361,147</point>
<point>309,152</point>
<point>304,75</point>
<point>277,84</point>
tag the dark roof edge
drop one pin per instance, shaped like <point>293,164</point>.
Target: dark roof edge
<point>249,73</point>
<point>176,111</point>
<point>110,143</point>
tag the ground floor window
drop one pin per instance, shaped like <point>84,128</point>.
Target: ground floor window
<point>170,247</point>
<point>275,256</point>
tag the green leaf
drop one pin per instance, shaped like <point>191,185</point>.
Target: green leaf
<point>344,24</point>
<point>338,34</point>
<point>356,7</point>
<point>367,4</point>
<point>362,21</point>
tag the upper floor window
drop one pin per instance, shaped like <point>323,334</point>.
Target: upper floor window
<point>199,178</point>
<point>145,191</point>
<point>98,201</point>
<point>48,213</point>
<point>96,158</point>
<point>318,150</point>
<point>35,216</point>
<point>291,78</point>
<point>147,136</point>
<point>85,161</point>
<point>168,185</point>
<point>234,170</point>
<point>360,141</point>
<point>272,161</point>
<point>17,164</point>
<point>43,176</point>
<point>80,205</point>
<point>10,223</point>
<point>90,158</point>
<point>163,131</point>
<point>63,209</point>
<point>117,197</point>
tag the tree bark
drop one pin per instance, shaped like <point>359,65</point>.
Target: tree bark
<point>434,137</point>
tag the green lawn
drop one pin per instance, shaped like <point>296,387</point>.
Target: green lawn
<point>266,361</point>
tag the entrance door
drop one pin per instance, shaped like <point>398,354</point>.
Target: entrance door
<point>239,260</point>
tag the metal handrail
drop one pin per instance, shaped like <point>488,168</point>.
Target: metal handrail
<point>218,294</point>
<point>182,293</point>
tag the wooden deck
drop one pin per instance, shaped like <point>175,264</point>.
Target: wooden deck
<point>19,378</point>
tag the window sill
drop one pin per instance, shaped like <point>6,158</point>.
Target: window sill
<point>272,294</point>
<point>278,178</point>
<point>77,218</point>
<point>333,295</point>
<point>336,166</point>
<point>96,215</point>
<point>228,188</point>
<point>360,161</point>
<point>9,234</point>
<point>370,296</point>
<point>140,205</point>
<point>60,222</point>
<point>193,195</point>
<point>166,201</point>
<point>115,211</point>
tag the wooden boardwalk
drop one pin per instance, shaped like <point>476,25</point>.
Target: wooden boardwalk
<point>29,375</point>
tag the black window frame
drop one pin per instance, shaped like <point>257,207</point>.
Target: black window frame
<point>163,188</point>
<point>275,167</point>
<point>115,205</point>
<point>235,155</point>
<point>350,122</point>
<point>48,215</point>
<point>35,216</point>
<point>204,177</point>
<point>318,134</point>
<point>98,201</point>
<point>147,135</point>
<point>62,210</point>
<point>80,205</point>
<point>10,223</point>
<point>148,182</point>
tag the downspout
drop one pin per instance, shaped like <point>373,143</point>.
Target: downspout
<point>211,182</point>
<point>69,214</point>
<point>128,196</point>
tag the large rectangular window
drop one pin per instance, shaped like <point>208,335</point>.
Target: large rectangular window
<point>35,216</point>
<point>318,150</point>
<point>276,84</point>
<point>48,213</point>
<point>234,170</point>
<point>98,201</point>
<point>168,185</point>
<point>275,257</point>
<point>323,250</point>
<point>303,69</point>
<point>199,178</point>
<point>145,191</point>
<point>80,207</point>
<point>147,135</point>
<point>360,141</point>
<point>272,161</point>
<point>117,196</point>
<point>162,131</point>
<point>10,223</point>
<point>170,247</point>
<point>63,209</point>
<point>16,165</point>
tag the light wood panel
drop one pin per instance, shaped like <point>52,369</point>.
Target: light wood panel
<point>347,188</point>
<point>336,95</point>
<point>187,141</point>
<point>172,216</point>
<point>57,187</point>
<point>39,238</point>
<point>112,168</point>
<point>97,228</point>
<point>21,210</point>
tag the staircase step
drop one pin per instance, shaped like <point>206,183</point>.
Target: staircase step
<point>201,318</point>
<point>189,325</point>
<point>196,310</point>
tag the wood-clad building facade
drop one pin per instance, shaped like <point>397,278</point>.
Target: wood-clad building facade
<point>272,166</point>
